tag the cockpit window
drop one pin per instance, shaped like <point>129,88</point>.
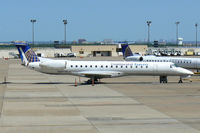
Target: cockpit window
<point>172,66</point>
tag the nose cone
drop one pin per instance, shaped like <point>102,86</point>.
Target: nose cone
<point>186,72</point>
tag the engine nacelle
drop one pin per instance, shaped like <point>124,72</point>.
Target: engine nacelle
<point>55,65</point>
<point>134,58</point>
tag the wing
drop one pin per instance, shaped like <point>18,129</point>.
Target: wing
<point>100,74</point>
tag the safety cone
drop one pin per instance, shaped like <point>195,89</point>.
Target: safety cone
<point>92,82</point>
<point>79,80</point>
<point>75,83</point>
<point>4,80</point>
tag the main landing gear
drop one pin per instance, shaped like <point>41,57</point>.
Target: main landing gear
<point>92,81</point>
<point>163,79</point>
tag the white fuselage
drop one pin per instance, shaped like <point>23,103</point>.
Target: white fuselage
<point>108,69</point>
<point>190,63</point>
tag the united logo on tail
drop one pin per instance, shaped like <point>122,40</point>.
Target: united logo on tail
<point>126,51</point>
<point>31,56</point>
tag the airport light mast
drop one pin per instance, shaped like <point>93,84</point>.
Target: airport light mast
<point>65,23</point>
<point>149,24</point>
<point>177,23</point>
<point>33,21</point>
<point>196,25</point>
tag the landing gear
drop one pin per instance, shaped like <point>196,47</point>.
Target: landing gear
<point>180,81</point>
<point>163,79</point>
<point>92,81</point>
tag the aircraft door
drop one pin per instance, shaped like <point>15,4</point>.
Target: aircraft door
<point>155,68</point>
<point>65,64</point>
<point>197,64</point>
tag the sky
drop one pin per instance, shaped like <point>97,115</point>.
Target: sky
<point>96,20</point>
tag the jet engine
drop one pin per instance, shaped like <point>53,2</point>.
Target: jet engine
<point>134,58</point>
<point>54,65</point>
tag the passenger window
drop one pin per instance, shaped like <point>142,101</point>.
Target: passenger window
<point>126,66</point>
<point>106,66</point>
<point>85,65</point>
<point>135,66</point>
<point>141,66</point>
<point>71,65</point>
<point>90,65</point>
<point>111,66</point>
<point>146,66</point>
<point>101,66</point>
<point>116,66</point>
<point>81,66</point>
<point>131,66</point>
<point>96,66</point>
<point>76,65</point>
<point>121,66</point>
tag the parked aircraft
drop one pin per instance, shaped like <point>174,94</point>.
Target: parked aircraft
<point>98,69</point>
<point>189,63</point>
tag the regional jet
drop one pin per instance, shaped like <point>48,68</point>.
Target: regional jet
<point>189,63</point>
<point>95,70</point>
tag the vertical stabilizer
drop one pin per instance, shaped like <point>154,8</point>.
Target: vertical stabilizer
<point>27,55</point>
<point>126,51</point>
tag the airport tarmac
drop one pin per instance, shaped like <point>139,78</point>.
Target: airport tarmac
<point>34,102</point>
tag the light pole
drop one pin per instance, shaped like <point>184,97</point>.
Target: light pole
<point>196,25</point>
<point>65,23</point>
<point>177,23</point>
<point>148,24</point>
<point>33,21</point>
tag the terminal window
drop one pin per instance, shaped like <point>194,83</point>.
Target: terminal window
<point>81,52</point>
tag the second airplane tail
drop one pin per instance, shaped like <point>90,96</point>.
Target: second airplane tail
<point>126,51</point>
<point>27,55</point>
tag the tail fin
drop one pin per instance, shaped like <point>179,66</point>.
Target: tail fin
<point>126,51</point>
<point>27,55</point>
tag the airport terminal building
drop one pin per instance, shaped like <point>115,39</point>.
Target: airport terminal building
<point>79,50</point>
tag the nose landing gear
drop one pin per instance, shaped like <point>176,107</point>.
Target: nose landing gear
<point>181,80</point>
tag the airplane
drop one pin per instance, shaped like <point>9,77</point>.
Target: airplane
<point>188,63</point>
<point>95,70</point>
